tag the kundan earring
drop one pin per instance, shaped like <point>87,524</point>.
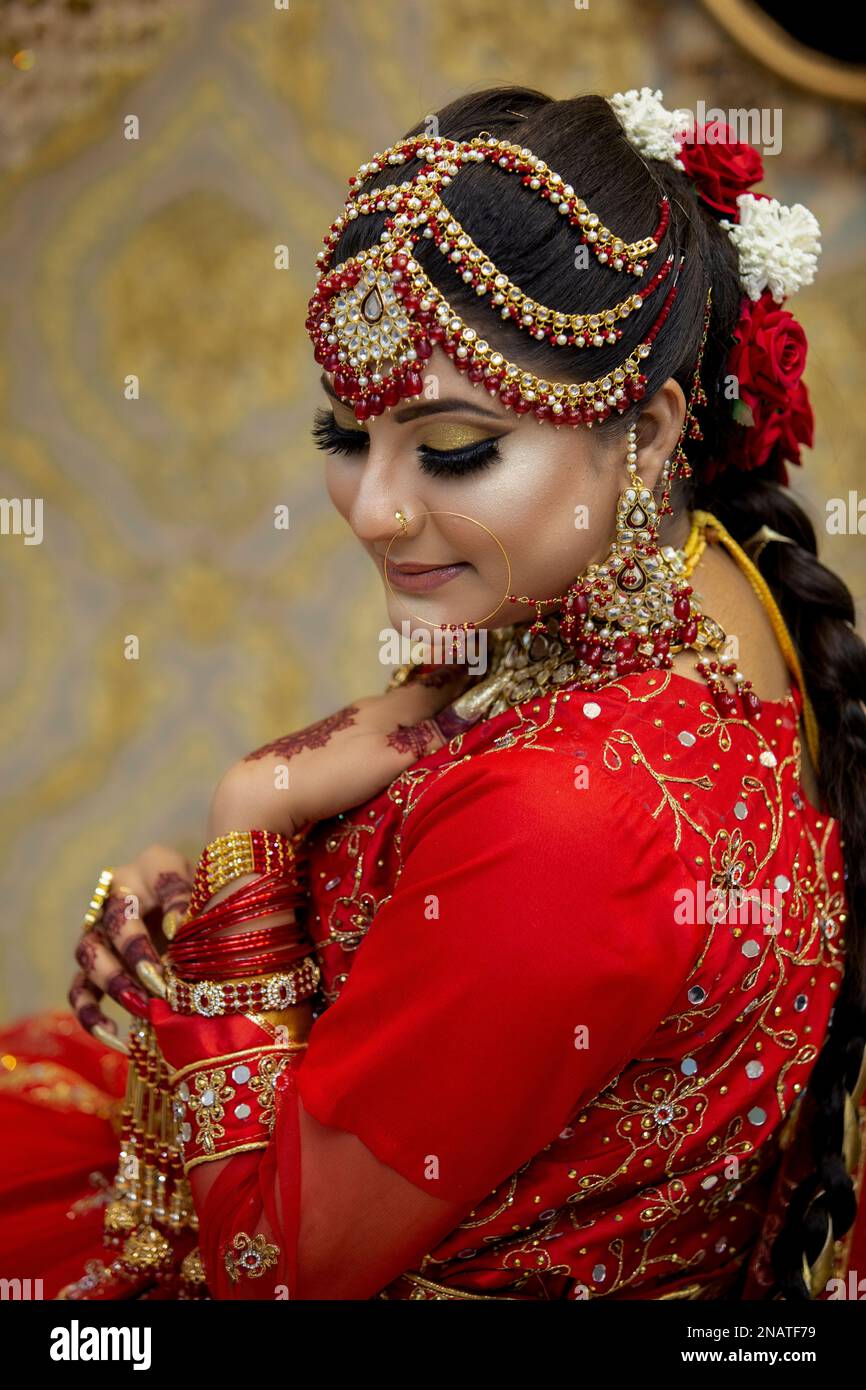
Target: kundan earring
<point>633,611</point>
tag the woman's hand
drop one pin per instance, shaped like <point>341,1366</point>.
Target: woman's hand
<point>118,955</point>
<point>340,761</point>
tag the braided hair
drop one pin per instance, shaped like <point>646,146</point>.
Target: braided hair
<point>583,140</point>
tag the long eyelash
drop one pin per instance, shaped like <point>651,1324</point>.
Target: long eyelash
<point>328,435</point>
<point>472,458</point>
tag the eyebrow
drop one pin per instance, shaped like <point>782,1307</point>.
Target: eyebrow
<point>403,414</point>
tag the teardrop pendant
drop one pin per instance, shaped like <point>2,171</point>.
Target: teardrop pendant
<point>372,307</point>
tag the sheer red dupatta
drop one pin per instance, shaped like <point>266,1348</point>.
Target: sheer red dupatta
<point>249,1212</point>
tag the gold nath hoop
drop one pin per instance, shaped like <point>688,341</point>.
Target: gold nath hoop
<point>464,517</point>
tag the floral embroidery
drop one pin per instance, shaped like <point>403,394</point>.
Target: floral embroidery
<point>254,1256</point>
<point>207,1102</point>
<point>264,1087</point>
<point>658,1184</point>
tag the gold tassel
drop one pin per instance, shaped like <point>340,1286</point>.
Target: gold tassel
<point>153,1200</point>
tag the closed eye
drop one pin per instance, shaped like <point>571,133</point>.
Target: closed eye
<point>469,458</point>
<point>331,437</point>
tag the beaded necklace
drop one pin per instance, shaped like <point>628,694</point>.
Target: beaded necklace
<point>524,663</point>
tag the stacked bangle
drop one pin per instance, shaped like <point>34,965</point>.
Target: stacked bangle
<point>213,967</point>
<point>238,957</point>
<point>237,853</point>
<point>262,993</point>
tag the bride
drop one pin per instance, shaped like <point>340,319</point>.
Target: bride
<point>540,977</point>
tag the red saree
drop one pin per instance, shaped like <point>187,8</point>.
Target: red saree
<point>577,967</point>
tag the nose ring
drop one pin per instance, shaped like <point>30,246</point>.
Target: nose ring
<point>403,522</point>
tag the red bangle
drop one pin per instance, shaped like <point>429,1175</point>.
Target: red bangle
<point>201,944</point>
<point>237,853</point>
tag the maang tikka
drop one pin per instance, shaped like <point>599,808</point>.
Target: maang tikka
<point>636,609</point>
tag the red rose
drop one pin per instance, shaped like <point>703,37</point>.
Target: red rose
<point>721,166</point>
<point>773,406</point>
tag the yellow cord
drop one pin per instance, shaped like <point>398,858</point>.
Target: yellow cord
<point>703,521</point>
<point>695,545</point>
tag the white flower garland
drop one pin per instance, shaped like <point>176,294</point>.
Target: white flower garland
<point>777,246</point>
<point>652,129</point>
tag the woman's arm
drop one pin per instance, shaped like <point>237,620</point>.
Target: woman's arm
<point>337,1222</point>
<point>464,1041</point>
<point>356,1222</point>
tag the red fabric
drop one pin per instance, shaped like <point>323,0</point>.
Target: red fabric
<point>555,837</point>
<point>454,1051</point>
<point>59,1093</point>
<point>558,839</point>
<point>243,1199</point>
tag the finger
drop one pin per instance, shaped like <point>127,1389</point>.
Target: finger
<point>102,968</point>
<point>168,875</point>
<point>84,999</point>
<point>136,890</point>
<point>121,926</point>
<point>173,890</point>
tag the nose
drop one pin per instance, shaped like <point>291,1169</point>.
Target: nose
<point>385,487</point>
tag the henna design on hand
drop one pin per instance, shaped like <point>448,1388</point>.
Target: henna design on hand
<point>412,738</point>
<point>173,891</point>
<point>82,986</point>
<point>90,1017</point>
<point>140,948</point>
<point>83,997</point>
<point>314,736</point>
<point>86,952</point>
<point>114,917</point>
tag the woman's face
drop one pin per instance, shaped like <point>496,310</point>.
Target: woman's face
<point>460,466</point>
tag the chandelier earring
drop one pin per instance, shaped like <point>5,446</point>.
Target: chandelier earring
<point>635,610</point>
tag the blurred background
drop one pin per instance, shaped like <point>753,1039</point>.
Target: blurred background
<point>154,256</point>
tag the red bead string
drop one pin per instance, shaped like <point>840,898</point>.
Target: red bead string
<point>664,219</point>
<point>661,274</point>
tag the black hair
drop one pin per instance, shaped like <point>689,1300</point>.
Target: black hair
<point>583,140</point>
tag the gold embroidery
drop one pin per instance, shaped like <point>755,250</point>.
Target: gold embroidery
<point>653,1109</point>
<point>59,1088</point>
<point>208,1102</point>
<point>263,1085</point>
<point>427,1289</point>
<point>358,906</point>
<point>254,1256</point>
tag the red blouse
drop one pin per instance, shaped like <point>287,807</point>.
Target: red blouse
<point>580,963</point>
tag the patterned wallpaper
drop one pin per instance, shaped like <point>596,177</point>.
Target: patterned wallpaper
<point>154,257</point>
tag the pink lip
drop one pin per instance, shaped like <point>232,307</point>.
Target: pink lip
<point>416,578</point>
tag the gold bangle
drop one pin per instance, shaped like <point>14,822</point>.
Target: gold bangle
<point>278,990</point>
<point>234,854</point>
